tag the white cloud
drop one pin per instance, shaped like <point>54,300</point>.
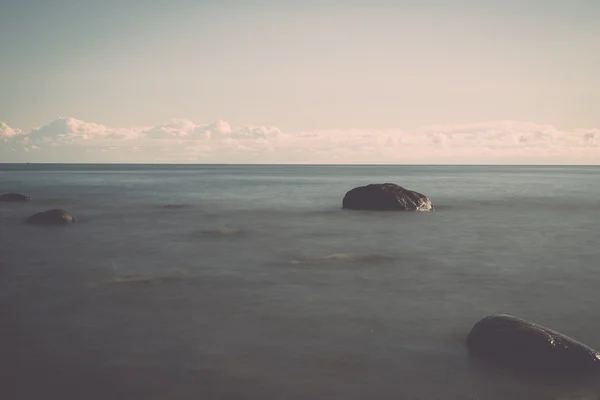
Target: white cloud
<point>7,132</point>
<point>181,140</point>
<point>69,127</point>
<point>176,128</point>
<point>71,131</point>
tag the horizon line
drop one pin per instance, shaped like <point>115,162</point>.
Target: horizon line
<point>302,164</point>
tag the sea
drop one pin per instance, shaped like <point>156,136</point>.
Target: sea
<point>251,281</point>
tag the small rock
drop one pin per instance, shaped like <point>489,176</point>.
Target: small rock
<point>51,217</point>
<point>14,197</point>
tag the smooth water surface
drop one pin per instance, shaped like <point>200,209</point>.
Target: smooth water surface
<point>251,282</point>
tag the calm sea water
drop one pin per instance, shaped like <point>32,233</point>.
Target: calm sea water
<point>251,282</point>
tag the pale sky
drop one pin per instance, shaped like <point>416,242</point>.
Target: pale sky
<point>103,75</point>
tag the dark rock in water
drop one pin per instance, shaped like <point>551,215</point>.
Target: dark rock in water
<point>14,197</point>
<point>385,196</point>
<point>51,217</point>
<point>522,345</point>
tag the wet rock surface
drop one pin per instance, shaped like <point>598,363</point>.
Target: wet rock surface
<point>14,197</point>
<point>385,197</point>
<point>522,345</point>
<point>51,217</point>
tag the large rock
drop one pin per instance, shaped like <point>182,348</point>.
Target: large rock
<point>385,196</point>
<point>14,197</point>
<point>519,344</point>
<point>51,217</point>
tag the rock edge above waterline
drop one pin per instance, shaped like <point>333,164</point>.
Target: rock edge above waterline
<point>385,197</point>
<point>51,217</point>
<point>519,344</point>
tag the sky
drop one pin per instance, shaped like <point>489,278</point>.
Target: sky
<point>329,81</point>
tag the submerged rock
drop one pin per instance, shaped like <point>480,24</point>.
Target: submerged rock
<point>14,197</point>
<point>385,196</point>
<point>51,217</point>
<point>519,344</point>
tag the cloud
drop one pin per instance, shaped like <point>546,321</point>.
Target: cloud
<point>176,128</point>
<point>181,140</point>
<point>72,130</point>
<point>7,132</point>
